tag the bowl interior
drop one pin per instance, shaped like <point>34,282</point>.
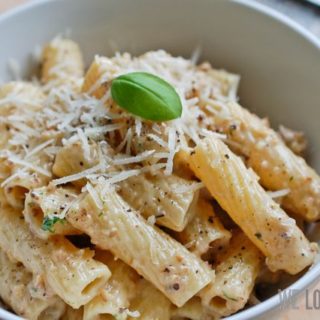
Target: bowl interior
<point>279,66</point>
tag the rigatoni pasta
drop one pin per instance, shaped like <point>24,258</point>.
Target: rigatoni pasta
<point>277,166</point>
<point>150,303</point>
<point>114,300</point>
<point>72,159</point>
<point>239,193</point>
<point>193,310</point>
<point>72,274</point>
<point>204,234</point>
<point>47,203</point>
<point>117,186</point>
<point>72,314</point>
<point>18,103</point>
<point>18,96</point>
<point>167,199</point>
<point>95,81</point>
<point>16,189</point>
<point>115,226</point>
<point>18,291</point>
<point>62,63</point>
<point>236,271</point>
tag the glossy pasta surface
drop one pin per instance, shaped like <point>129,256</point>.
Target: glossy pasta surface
<point>107,216</point>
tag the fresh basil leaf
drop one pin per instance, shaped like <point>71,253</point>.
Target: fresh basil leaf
<point>147,96</point>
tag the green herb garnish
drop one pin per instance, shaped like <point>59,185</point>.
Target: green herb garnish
<point>48,223</point>
<point>147,96</point>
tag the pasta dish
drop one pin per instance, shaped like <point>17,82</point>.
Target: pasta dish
<point>141,189</point>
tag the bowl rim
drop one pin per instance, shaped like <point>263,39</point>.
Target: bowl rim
<point>310,277</point>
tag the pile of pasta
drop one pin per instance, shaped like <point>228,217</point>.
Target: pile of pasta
<point>108,216</point>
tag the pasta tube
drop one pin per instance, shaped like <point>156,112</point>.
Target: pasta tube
<point>22,179</point>
<point>71,159</point>
<point>20,100</point>
<point>193,310</point>
<point>49,203</point>
<point>150,303</point>
<point>238,192</point>
<point>17,97</point>
<point>62,63</point>
<point>114,299</point>
<point>94,82</point>
<point>204,233</point>
<point>17,291</point>
<point>115,226</point>
<point>236,272</point>
<point>71,273</point>
<point>15,191</point>
<point>3,200</point>
<point>167,198</point>
<point>73,314</point>
<point>277,166</point>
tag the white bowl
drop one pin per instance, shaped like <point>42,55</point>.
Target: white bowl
<point>278,60</point>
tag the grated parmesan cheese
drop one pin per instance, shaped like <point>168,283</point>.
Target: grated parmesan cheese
<point>138,126</point>
<point>121,176</point>
<point>78,176</point>
<point>133,314</point>
<point>94,195</point>
<point>157,139</point>
<point>64,212</point>
<point>278,193</point>
<point>138,158</point>
<point>85,143</point>
<point>97,131</point>
<point>152,220</point>
<point>172,151</point>
<point>29,165</point>
<point>124,141</point>
<point>190,188</point>
<point>19,174</point>
<point>67,117</point>
<point>38,148</point>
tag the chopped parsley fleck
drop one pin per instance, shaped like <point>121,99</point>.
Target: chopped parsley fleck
<point>48,223</point>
